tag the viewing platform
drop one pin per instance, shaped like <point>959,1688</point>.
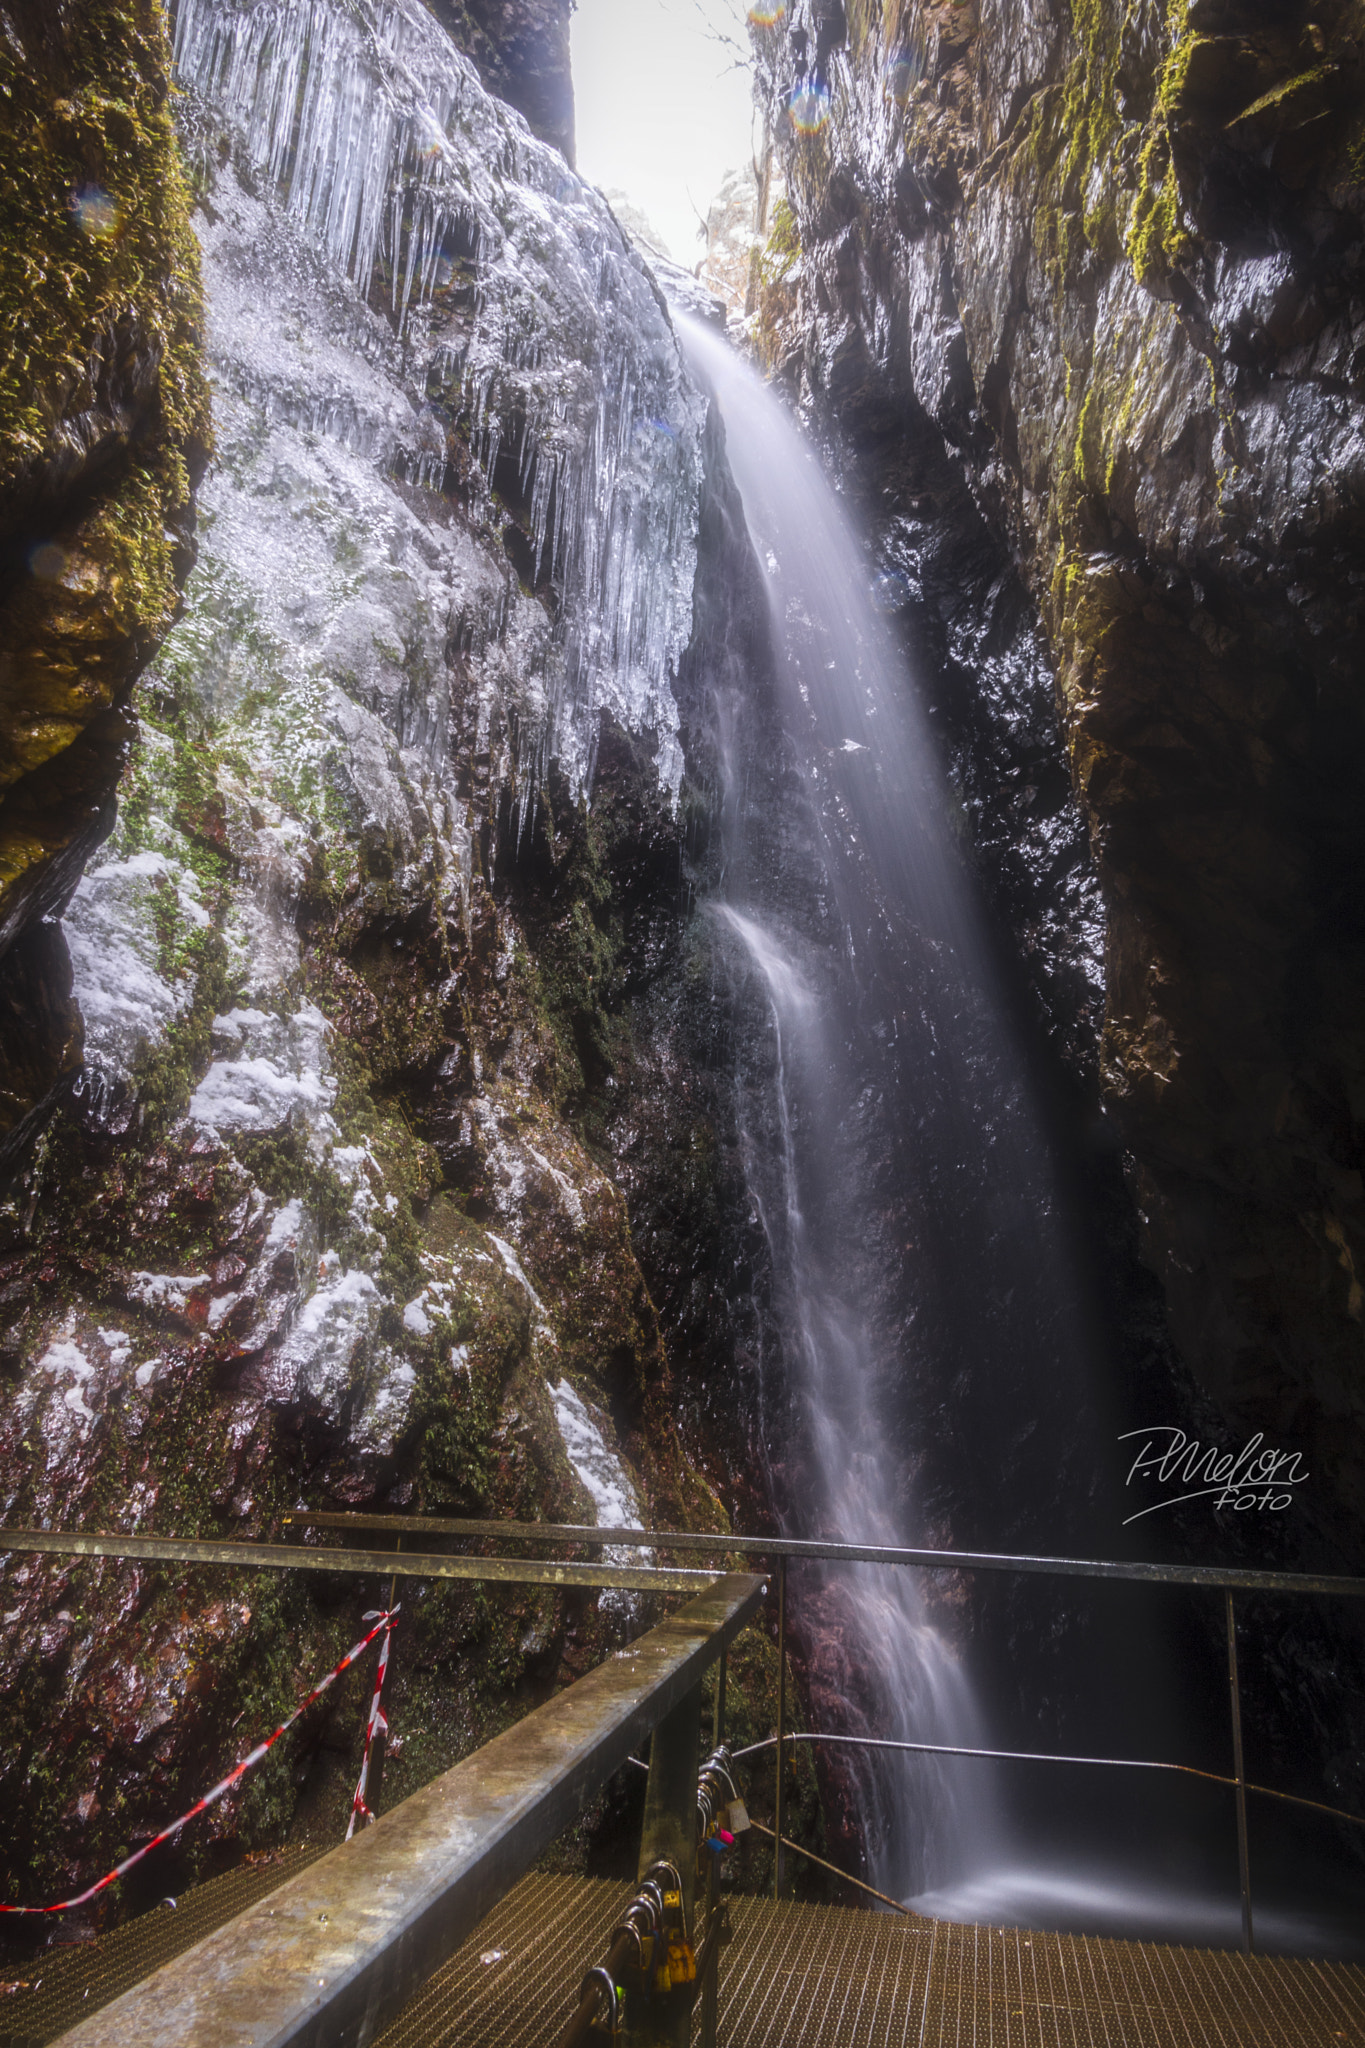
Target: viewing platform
<point>793,1977</point>
<point>433,1927</point>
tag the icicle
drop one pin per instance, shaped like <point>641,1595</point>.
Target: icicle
<point>377,138</point>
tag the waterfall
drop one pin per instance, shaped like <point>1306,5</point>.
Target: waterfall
<point>929,1819</point>
<point>921,1275</point>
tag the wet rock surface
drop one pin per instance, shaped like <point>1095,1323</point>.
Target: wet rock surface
<point>1079,307</point>
<point>334,1216</point>
<point>104,426</point>
<point>522,50</point>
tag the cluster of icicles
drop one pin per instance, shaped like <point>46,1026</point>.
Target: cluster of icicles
<point>375,135</point>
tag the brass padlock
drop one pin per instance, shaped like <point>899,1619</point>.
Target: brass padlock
<point>682,1963</point>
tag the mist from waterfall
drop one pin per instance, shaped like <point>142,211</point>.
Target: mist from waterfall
<point>885,1015</point>
<point>927,1818</point>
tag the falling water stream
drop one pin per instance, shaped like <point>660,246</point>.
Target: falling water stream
<point>892,999</point>
<point>939,1376</point>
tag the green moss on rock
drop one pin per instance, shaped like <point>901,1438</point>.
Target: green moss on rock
<point>103,405</point>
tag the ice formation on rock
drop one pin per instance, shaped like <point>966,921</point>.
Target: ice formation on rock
<point>601,1472</point>
<point>535,355</point>
<point>450,521</point>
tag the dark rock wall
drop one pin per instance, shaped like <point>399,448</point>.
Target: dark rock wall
<point>103,430</point>
<point>522,50</point>
<point>1085,280</point>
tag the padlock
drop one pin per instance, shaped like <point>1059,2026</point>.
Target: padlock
<point>739,1817</point>
<point>682,1964</point>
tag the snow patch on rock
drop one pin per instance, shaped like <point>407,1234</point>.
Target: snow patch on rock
<point>332,1334</point>
<point>602,1472</point>
<point>116,975</point>
<point>517,1271</point>
<point>274,1069</point>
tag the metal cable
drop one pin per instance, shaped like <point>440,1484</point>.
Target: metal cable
<point>1032,1756</point>
<point>842,1875</point>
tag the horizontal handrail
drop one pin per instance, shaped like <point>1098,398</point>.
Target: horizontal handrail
<point>512,1571</point>
<point>1237,1579</point>
<point>331,1955</point>
<point>1047,1756</point>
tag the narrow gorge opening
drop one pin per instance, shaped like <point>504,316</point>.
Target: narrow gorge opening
<point>703,888</point>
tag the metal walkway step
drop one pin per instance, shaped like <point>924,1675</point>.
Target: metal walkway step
<point>42,1996</point>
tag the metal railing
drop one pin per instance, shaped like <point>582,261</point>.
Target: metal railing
<point>781,1550</point>
<point>332,1955</point>
<point>336,2001</point>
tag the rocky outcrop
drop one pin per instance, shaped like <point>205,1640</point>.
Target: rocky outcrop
<point>103,431</point>
<point>522,50</point>
<point>1087,279</point>
<point>330,1219</point>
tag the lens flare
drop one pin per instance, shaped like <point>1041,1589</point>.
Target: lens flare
<point>47,561</point>
<point>890,591</point>
<point>808,106</point>
<point>96,213</point>
<point>903,74</point>
<point>766,13</point>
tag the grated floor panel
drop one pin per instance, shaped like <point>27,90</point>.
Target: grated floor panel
<point>51,1991</point>
<point>832,1977</point>
<point>793,1977</point>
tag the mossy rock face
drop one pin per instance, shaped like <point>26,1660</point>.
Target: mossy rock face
<point>103,431</point>
<point>1094,322</point>
<point>345,1209</point>
<point>331,1218</point>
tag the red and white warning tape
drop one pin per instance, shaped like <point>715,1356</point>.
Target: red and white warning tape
<point>375,1722</point>
<point>383,1625</point>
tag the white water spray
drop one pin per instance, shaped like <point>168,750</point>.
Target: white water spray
<point>896,994</point>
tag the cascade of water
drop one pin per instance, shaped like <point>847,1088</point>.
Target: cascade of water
<point>889,1091</point>
<point>930,1820</point>
<point>541,366</point>
<point>938,1375</point>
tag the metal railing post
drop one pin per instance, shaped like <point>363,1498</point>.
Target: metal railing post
<point>781,1718</point>
<point>669,1835</point>
<point>1239,1771</point>
<point>710,1988</point>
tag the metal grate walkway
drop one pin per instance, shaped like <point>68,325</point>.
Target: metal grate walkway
<point>49,1992</point>
<point>794,1977</point>
<point>829,1977</point>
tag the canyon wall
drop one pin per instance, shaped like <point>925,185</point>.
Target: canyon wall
<point>368,1023</point>
<point>103,432</point>
<point>1078,309</point>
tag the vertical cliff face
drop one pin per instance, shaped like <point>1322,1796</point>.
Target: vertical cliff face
<point>103,431</point>
<point>332,1216</point>
<point>1081,284</point>
<point>522,50</point>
